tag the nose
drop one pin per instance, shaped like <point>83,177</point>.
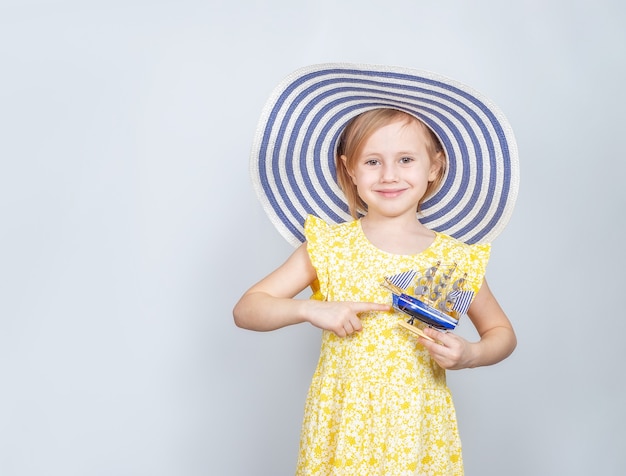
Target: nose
<point>389,173</point>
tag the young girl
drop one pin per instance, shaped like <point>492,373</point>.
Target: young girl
<point>378,403</point>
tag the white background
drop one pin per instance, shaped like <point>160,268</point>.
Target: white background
<point>129,228</point>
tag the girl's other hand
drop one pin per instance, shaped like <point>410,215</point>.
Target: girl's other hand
<point>449,350</point>
<point>341,317</point>
<point>497,338</point>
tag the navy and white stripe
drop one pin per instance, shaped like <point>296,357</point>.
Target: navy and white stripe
<point>462,300</point>
<point>292,160</point>
<point>402,280</point>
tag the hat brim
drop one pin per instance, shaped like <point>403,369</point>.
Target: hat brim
<point>293,155</point>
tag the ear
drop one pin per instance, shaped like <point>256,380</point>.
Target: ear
<point>435,167</point>
<point>344,159</point>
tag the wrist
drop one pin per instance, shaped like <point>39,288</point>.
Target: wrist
<point>302,310</point>
<point>473,358</point>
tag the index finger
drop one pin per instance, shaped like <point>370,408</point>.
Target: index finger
<point>359,307</point>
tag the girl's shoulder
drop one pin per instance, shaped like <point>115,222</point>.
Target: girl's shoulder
<point>469,259</point>
<point>452,244</point>
<point>317,229</point>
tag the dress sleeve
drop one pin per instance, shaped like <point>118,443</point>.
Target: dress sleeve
<point>471,265</point>
<point>317,233</point>
<point>476,264</point>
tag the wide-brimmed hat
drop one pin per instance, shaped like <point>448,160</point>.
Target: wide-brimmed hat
<point>293,155</point>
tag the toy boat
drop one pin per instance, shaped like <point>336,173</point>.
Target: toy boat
<point>436,296</point>
<point>416,309</point>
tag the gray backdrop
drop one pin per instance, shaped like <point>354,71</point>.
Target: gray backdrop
<point>129,228</point>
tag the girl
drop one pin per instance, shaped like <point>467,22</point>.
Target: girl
<point>378,402</point>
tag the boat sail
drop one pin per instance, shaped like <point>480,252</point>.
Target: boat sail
<point>437,296</point>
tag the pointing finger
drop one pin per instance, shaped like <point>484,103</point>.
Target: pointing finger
<point>370,306</point>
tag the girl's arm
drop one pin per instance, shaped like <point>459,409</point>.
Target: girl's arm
<point>497,337</point>
<point>269,304</point>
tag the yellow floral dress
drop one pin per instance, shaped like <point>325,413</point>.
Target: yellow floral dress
<point>378,404</point>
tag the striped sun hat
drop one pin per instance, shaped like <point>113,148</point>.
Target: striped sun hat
<point>293,155</point>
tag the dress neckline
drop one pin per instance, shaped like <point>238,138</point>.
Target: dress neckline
<point>371,245</point>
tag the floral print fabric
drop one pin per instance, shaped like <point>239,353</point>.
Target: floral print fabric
<point>378,404</point>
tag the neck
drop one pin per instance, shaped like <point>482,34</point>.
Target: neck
<point>398,235</point>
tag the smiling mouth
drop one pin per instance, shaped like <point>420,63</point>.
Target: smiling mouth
<point>390,193</point>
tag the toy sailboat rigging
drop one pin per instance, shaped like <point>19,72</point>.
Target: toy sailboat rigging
<point>436,296</point>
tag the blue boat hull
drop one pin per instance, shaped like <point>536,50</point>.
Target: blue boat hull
<point>416,309</point>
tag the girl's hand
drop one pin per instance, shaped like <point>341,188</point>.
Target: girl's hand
<point>497,338</point>
<point>449,350</point>
<point>340,317</point>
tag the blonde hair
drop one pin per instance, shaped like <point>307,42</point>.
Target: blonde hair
<point>353,139</point>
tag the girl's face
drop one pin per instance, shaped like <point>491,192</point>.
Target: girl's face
<point>393,170</point>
